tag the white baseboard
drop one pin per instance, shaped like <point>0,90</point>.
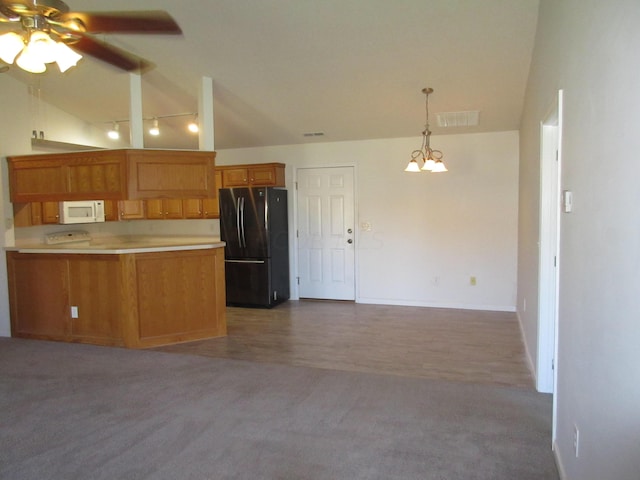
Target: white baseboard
<point>558,457</point>
<point>527,353</point>
<point>410,303</point>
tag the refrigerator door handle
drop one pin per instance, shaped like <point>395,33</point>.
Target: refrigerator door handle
<point>244,240</point>
<point>238,221</point>
<point>244,261</point>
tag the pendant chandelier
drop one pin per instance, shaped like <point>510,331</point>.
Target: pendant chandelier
<point>431,159</point>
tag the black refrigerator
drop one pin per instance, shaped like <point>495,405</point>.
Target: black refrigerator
<point>254,224</point>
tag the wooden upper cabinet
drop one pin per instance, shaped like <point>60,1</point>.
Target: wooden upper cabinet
<point>112,175</point>
<point>164,208</point>
<point>254,175</point>
<point>235,177</point>
<point>131,210</point>
<point>96,175</point>
<point>171,174</point>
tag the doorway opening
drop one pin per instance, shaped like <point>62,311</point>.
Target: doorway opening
<point>550,162</point>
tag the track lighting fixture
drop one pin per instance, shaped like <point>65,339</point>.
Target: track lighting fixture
<point>193,125</point>
<point>114,133</point>
<point>155,129</point>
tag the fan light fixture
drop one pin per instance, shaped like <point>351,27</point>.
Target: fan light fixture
<point>40,49</point>
<point>432,159</point>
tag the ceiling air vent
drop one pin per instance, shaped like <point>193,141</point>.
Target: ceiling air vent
<point>458,119</point>
<point>313,134</point>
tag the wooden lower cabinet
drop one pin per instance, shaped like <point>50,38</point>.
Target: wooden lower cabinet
<point>38,292</point>
<point>132,300</point>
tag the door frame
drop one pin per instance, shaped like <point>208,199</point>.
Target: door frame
<point>549,258</point>
<point>295,290</point>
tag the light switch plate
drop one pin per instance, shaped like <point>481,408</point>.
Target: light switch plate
<point>567,201</point>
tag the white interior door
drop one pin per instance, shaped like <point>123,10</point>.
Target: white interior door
<point>326,233</point>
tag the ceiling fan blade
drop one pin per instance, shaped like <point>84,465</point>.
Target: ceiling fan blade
<point>112,55</point>
<point>144,21</point>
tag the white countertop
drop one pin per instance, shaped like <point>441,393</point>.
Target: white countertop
<point>124,245</point>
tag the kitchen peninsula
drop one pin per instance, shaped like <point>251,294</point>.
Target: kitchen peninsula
<point>135,292</point>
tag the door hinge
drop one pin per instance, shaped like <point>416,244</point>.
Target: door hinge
<point>296,185</point>
<point>557,155</point>
<point>555,261</point>
<point>553,364</point>
<point>297,234</point>
<point>298,279</point>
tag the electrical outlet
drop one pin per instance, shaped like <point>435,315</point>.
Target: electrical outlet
<point>74,312</point>
<point>524,305</point>
<point>472,281</point>
<point>576,440</point>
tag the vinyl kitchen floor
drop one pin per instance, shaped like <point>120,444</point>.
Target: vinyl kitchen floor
<point>448,344</point>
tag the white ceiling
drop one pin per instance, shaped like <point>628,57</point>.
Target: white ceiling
<point>353,69</point>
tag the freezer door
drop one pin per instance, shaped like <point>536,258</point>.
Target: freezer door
<point>248,282</point>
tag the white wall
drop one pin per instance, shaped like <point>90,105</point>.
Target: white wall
<point>589,48</point>
<point>448,226</point>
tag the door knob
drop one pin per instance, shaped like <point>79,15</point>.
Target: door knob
<point>349,241</point>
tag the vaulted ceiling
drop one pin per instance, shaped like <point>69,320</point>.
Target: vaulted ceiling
<point>351,69</point>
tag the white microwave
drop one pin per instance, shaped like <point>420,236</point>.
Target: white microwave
<point>82,211</point>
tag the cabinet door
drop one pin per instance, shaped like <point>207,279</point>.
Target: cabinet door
<point>22,215</point>
<point>38,294</point>
<point>171,174</point>
<point>262,176</point>
<point>131,209</point>
<point>110,210</point>
<point>50,213</point>
<point>172,208</point>
<point>192,208</point>
<point>101,180</point>
<point>210,208</point>
<point>166,208</point>
<point>155,210</point>
<point>235,177</point>
<point>36,180</point>
<point>93,289</point>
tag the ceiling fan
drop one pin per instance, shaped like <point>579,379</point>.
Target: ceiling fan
<point>51,28</point>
